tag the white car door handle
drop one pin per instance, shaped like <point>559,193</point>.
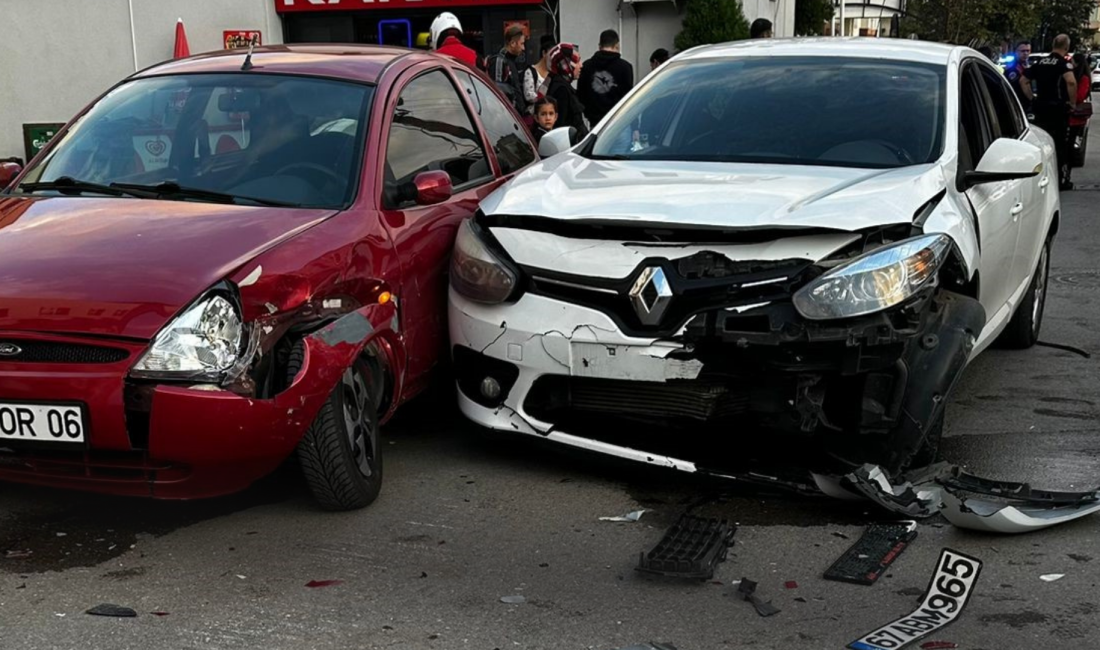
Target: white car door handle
<point>1044,181</point>
<point>1017,209</point>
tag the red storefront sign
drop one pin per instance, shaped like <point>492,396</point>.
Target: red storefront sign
<point>235,38</point>
<point>290,6</point>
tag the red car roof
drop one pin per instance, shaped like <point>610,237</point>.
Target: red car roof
<point>357,62</point>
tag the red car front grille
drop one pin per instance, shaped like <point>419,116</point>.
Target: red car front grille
<point>37,351</point>
<point>123,467</point>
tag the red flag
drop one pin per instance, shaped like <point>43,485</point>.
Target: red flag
<point>181,50</point>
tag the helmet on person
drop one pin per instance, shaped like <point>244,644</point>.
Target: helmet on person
<point>443,23</point>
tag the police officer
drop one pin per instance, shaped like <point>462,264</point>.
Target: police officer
<point>1015,72</point>
<point>1055,96</point>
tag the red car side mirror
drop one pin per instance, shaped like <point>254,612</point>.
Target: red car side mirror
<point>8,172</point>
<point>432,187</point>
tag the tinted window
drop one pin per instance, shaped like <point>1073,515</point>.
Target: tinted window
<point>793,110</point>
<point>1005,105</point>
<point>431,130</point>
<point>270,137</point>
<point>509,137</point>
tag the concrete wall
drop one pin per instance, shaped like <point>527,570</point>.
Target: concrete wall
<point>58,55</point>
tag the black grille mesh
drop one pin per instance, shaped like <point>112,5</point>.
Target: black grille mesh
<point>53,352</point>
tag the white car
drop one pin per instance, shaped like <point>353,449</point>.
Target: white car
<point>804,238</point>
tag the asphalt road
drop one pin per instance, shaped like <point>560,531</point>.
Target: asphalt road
<point>463,521</point>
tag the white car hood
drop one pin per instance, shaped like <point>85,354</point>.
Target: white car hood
<point>716,195</point>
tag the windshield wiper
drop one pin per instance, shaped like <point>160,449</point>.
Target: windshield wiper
<point>69,184</point>
<point>173,189</point>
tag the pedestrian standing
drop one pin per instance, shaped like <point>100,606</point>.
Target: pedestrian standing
<point>761,28</point>
<point>657,59</point>
<point>546,117</point>
<point>1015,73</point>
<point>606,78</point>
<point>1079,118</point>
<point>536,78</point>
<point>1054,98</point>
<point>505,66</point>
<point>565,67</point>
<point>446,35</point>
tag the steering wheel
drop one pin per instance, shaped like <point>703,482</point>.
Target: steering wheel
<point>313,169</point>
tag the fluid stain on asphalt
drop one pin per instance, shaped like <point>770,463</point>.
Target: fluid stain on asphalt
<point>1015,620</point>
<point>53,530</point>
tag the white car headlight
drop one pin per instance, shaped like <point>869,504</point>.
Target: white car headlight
<point>476,272</point>
<point>202,342</point>
<point>874,281</point>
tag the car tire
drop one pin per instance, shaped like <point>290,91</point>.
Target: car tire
<point>1023,330</point>
<point>340,454</point>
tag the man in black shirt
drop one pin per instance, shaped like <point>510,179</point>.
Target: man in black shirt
<point>1015,72</point>
<point>1054,97</point>
<point>605,78</point>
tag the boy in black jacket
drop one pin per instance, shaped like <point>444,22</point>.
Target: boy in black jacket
<point>605,78</point>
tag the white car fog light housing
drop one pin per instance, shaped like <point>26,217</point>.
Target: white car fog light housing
<point>875,281</point>
<point>202,342</point>
<point>476,272</point>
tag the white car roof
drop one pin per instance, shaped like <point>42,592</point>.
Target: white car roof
<point>859,47</point>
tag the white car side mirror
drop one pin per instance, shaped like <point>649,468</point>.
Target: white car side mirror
<point>556,141</point>
<point>1006,159</point>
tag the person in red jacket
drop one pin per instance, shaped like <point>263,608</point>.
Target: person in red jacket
<point>445,34</point>
<point>1079,118</point>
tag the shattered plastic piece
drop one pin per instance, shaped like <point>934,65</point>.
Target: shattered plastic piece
<point>747,591</point>
<point>15,555</point>
<point>107,609</point>
<point>840,535</point>
<point>939,645</point>
<point>159,613</point>
<point>691,548</point>
<point>1051,577</point>
<point>513,600</point>
<point>631,517</point>
<point>872,482</point>
<point>790,584</point>
<point>866,560</point>
<point>650,646</point>
<point>997,517</point>
<point>314,584</point>
<point>948,592</point>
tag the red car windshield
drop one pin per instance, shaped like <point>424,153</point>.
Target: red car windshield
<point>273,138</point>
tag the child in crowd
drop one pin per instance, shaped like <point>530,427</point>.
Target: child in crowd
<point>546,116</point>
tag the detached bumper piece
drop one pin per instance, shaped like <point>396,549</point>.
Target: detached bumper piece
<point>1004,507</point>
<point>691,549</point>
<point>869,557</point>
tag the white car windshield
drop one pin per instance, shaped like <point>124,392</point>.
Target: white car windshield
<point>265,137</point>
<point>852,112</point>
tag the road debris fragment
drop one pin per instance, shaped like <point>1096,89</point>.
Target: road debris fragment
<point>1006,507</point>
<point>939,645</point>
<point>790,584</point>
<point>746,590</point>
<point>650,646</point>
<point>107,609</point>
<point>866,560</point>
<point>316,584</point>
<point>691,548</point>
<point>629,517</point>
<point>15,555</point>
<point>1051,577</point>
<point>948,592</point>
<point>513,600</point>
<point>904,499</point>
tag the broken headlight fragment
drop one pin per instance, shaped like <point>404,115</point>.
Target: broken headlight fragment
<point>875,281</point>
<point>201,343</point>
<point>476,271</point>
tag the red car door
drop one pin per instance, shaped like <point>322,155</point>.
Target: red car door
<point>428,126</point>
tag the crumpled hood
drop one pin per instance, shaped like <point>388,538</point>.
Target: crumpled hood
<point>123,267</point>
<point>723,195</point>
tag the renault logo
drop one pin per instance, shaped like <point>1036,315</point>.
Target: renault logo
<point>651,295</point>
<point>10,350</point>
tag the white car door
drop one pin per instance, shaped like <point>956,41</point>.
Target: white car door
<point>997,205</point>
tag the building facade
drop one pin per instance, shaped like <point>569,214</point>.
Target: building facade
<point>59,54</point>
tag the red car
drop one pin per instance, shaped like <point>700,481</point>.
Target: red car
<point>227,259</point>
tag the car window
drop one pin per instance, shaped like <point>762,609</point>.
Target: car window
<point>974,128</point>
<point>508,136</point>
<point>268,137</point>
<point>1006,108</point>
<point>783,110</point>
<point>431,130</point>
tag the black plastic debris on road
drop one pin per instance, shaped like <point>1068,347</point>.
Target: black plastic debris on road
<point>650,646</point>
<point>747,591</point>
<point>107,609</point>
<point>691,548</point>
<point>949,589</point>
<point>866,560</point>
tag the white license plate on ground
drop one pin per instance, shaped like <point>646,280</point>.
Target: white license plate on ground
<point>60,423</point>
<point>948,592</point>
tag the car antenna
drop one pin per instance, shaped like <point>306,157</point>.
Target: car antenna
<point>247,65</point>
